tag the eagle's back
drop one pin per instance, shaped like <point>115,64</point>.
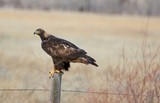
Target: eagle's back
<point>61,48</point>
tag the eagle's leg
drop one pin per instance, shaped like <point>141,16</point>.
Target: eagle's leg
<point>58,67</point>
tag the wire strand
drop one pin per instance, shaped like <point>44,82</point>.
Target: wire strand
<point>24,89</point>
<point>73,91</point>
<point>104,93</point>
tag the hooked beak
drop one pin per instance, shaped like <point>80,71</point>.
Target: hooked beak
<point>36,32</point>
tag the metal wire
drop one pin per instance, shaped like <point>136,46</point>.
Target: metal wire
<point>7,90</point>
<point>73,91</point>
<point>104,93</point>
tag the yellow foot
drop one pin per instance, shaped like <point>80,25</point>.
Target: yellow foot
<point>58,71</point>
<point>51,73</point>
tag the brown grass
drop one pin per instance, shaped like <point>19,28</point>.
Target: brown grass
<point>131,81</point>
<point>127,65</point>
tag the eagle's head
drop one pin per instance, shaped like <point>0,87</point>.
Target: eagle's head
<point>39,31</point>
<point>43,35</point>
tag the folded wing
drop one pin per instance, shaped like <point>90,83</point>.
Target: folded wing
<point>57,47</point>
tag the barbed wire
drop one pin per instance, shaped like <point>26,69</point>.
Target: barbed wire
<point>75,91</point>
<point>104,93</point>
<point>90,92</point>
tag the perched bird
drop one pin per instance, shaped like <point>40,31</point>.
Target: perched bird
<point>62,52</point>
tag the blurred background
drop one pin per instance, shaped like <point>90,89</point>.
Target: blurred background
<point>122,35</point>
<point>138,7</point>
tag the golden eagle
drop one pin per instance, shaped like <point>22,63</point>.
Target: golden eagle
<point>62,52</point>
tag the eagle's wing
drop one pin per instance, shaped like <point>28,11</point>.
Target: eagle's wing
<point>57,47</point>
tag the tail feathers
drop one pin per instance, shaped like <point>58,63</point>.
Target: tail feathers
<point>93,63</point>
<point>90,60</point>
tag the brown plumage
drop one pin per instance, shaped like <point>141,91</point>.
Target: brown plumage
<point>62,51</point>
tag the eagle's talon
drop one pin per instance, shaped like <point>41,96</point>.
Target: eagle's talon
<point>51,73</point>
<point>59,71</point>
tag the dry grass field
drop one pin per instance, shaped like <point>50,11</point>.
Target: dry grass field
<point>125,47</point>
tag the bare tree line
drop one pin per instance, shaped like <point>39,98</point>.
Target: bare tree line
<point>138,7</point>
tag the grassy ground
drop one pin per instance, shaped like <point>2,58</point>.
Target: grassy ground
<point>125,47</point>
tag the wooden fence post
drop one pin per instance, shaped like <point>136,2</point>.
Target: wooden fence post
<point>56,88</point>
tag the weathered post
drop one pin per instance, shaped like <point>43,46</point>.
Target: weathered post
<point>56,88</point>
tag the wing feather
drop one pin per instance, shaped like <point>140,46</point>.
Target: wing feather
<point>57,47</point>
